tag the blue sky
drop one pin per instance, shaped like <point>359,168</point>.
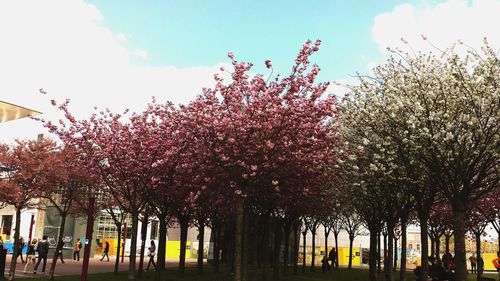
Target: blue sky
<point>199,33</point>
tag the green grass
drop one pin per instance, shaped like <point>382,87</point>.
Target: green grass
<point>254,275</point>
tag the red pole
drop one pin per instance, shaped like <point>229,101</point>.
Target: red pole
<point>88,239</point>
<point>124,241</point>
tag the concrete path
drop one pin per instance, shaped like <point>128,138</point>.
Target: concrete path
<point>71,267</point>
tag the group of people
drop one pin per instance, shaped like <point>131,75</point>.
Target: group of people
<point>38,251</point>
<point>329,261</point>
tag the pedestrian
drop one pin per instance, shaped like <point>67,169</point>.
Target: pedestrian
<point>324,264</point>
<point>76,250</point>
<point>151,254</point>
<point>43,250</point>
<point>480,265</point>
<point>31,254</point>
<point>105,251</point>
<point>20,246</point>
<point>473,263</point>
<point>496,263</point>
<point>60,245</point>
<point>1,242</point>
<point>332,255</point>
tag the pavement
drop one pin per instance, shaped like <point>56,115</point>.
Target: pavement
<point>71,267</point>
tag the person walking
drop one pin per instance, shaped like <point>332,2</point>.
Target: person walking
<point>76,250</point>
<point>473,263</point>
<point>20,246</point>
<point>30,254</point>
<point>60,245</point>
<point>332,257</point>
<point>105,251</point>
<point>43,250</point>
<point>151,254</point>
<point>496,263</point>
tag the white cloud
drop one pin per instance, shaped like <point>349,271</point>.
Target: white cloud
<point>142,54</point>
<point>60,46</point>
<point>443,24</point>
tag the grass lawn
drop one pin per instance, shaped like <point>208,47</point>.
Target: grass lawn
<point>191,275</point>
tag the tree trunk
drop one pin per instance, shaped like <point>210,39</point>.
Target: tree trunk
<point>438,247</point>
<point>277,250</point>
<point>395,254</point>
<point>379,249</point>
<point>144,229</point>
<point>296,238</point>
<point>184,224</point>
<point>59,246</point>
<point>201,243</point>
<point>244,254</point>
<point>133,246</point>
<point>327,233</point>
<point>238,235</point>
<point>304,254</point>
<point>478,252</point>
<point>433,246</point>
<point>447,244</point>
<point>459,235</point>
<point>385,253</point>
<point>390,251</point>
<point>424,241</point>
<point>216,232</point>
<point>286,251</point>
<point>313,252</point>
<point>162,248</point>
<point>16,252</point>
<point>336,236</point>
<point>402,271</point>
<point>351,241</point>
<point>265,247</point>
<point>372,262</point>
<point>119,247</point>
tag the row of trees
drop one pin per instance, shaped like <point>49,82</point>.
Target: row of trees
<point>284,157</point>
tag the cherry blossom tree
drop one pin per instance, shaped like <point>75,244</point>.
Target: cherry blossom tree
<point>26,169</point>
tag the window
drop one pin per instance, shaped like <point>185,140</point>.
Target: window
<point>6,225</point>
<point>154,230</point>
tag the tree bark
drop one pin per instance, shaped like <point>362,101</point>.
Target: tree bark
<point>478,252</point>
<point>144,229</point>
<point>133,247</point>
<point>59,247</point>
<point>296,238</point>
<point>286,251</point>
<point>373,260</point>
<point>216,233</point>
<point>304,254</point>
<point>327,233</point>
<point>238,235</point>
<point>244,254</point>
<point>336,236</point>
<point>119,247</point>
<point>184,224</point>
<point>201,242</point>
<point>16,252</point>
<point>424,241</point>
<point>385,253</point>
<point>351,241</point>
<point>438,247</point>
<point>447,244</point>
<point>459,235</point>
<point>395,266</point>
<point>313,252</point>
<point>402,271</point>
<point>390,251</point>
<point>162,248</point>
<point>265,247</point>
<point>277,250</point>
<point>379,249</point>
<point>433,246</point>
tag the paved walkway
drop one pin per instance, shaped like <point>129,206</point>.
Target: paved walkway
<point>71,267</point>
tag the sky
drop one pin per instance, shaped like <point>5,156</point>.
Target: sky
<point>117,54</point>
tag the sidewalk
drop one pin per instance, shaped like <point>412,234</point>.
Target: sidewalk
<point>71,267</point>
